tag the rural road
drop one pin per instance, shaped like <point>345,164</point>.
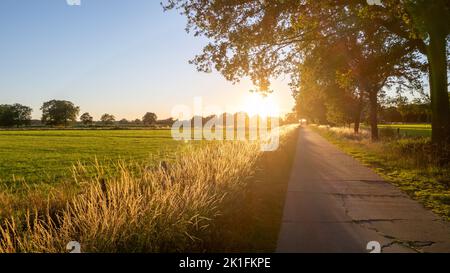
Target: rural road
<point>335,204</point>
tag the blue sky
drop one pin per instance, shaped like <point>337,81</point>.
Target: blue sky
<point>123,57</point>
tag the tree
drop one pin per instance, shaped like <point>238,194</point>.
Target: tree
<point>149,118</point>
<point>86,119</point>
<point>352,61</point>
<point>22,114</point>
<point>333,98</point>
<point>391,114</point>
<point>59,112</point>
<point>310,99</point>
<point>166,122</point>
<point>382,60</point>
<point>15,115</point>
<point>107,119</point>
<point>425,24</point>
<point>6,115</point>
<point>124,121</point>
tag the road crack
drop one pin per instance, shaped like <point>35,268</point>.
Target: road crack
<point>366,224</point>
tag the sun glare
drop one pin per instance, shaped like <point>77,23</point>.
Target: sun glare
<point>264,106</point>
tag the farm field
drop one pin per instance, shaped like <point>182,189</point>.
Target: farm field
<point>47,156</point>
<point>413,130</point>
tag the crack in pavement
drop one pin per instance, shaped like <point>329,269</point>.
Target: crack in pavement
<point>413,245</point>
<point>366,224</point>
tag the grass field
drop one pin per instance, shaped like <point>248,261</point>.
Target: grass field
<point>47,156</point>
<point>408,130</point>
<point>189,204</point>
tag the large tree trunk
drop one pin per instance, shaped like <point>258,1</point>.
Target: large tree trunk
<point>437,59</point>
<point>373,101</point>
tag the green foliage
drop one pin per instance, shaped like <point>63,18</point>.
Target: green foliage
<point>14,115</point>
<point>107,119</point>
<point>149,118</point>
<point>86,119</point>
<point>427,17</point>
<point>59,112</point>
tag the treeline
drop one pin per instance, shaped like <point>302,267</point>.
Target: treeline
<point>322,111</point>
<point>415,111</point>
<point>62,113</point>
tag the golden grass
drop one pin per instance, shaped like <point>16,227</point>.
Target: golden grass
<point>142,209</point>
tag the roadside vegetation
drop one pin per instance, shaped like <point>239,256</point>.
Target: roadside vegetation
<point>413,164</point>
<point>259,207</point>
<point>191,202</point>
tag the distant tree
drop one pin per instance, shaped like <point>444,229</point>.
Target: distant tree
<point>59,112</point>
<point>15,115</point>
<point>107,119</point>
<point>123,121</point>
<point>166,122</point>
<point>391,114</point>
<point>310,99</point>
<point>137,121</point>
<point>414,111</point>
<point>6,115</point>
<point>149,118</point>
<point>22,114</point>
<point>86,119</point>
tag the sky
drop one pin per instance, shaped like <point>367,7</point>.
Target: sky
<point>123,57</point>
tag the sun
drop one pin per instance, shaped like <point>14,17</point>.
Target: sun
<point>263,106</point>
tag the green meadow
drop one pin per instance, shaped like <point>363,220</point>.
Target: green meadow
<point>409,130</point>
<point>46,156</point>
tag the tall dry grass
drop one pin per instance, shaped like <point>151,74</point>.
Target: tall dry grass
<point>143,208</point>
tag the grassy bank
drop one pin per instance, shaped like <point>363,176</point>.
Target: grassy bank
<point>198,201</point>
<point>409,163</point>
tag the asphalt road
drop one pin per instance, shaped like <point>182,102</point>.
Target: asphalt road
<point>335,204</point>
